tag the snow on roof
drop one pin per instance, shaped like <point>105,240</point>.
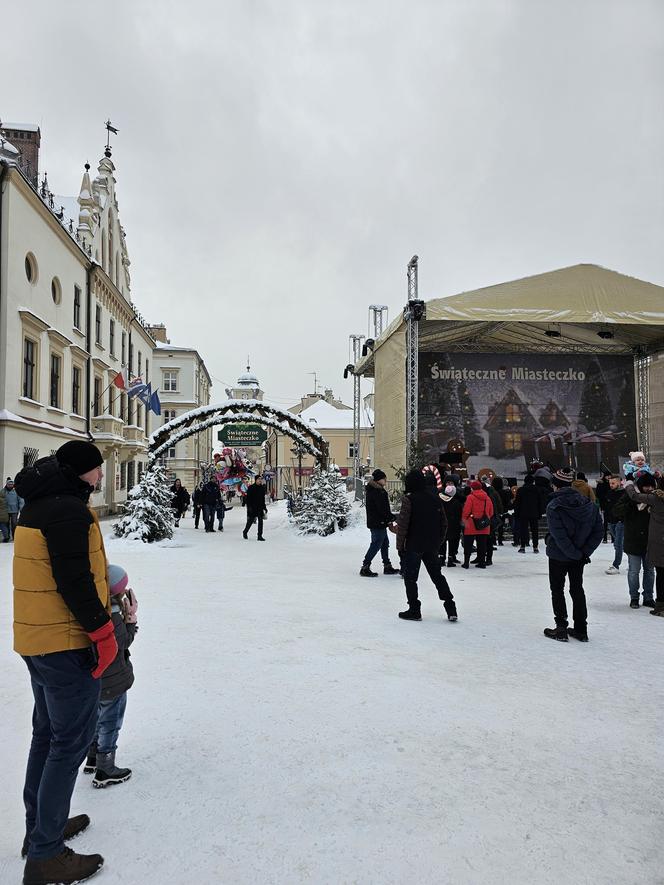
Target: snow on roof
<point>10,416</point>
<point>322,415</point>
<point>27,127</point>
<point>8,147</point>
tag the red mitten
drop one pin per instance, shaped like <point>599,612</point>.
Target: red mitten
<point>107,647</point>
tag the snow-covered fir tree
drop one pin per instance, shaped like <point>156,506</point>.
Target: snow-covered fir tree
<point>147,514</point>
<point>325,504</point>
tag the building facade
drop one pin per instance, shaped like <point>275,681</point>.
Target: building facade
<point>184,384</point>
<point>68,326</point>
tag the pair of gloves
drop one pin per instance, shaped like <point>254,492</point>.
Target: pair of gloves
<point>104,640</point>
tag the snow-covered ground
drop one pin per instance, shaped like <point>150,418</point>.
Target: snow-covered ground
<point>286,727</point>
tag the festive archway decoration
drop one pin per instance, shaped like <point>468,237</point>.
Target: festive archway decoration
<point>238,411</point>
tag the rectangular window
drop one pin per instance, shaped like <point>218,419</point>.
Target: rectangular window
<point>123,474</point>
<point>138,414</point>
<point>171,452</point>
<point>131,358</point>
<point>98,324</point>
<point>124,348</point>
<point>140,470</point>
<point>512,414</point>
<point>111,399</point>
<point>77,307</point>
<point>54,385</point>
<point>140,365</point>
<point>76,390</point>
<point>169,415</point>
<point>147,370</point>
<point>123,408</point>
<point>29,367</point>
<point>96,405</point>
<point>131,473</point>
<point>170,382</point>
<point>130,410</point>
<point>351,450</point>
<point>513,442</point>
<point>111,337</point>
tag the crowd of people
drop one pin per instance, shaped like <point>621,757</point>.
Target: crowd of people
<point>441,515</point>
<point>209,502</point>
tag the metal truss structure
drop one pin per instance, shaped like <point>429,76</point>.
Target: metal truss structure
<point>642,363</point>
<point>414,311</point>
<point>356,348</point>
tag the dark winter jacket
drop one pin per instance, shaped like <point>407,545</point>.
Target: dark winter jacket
<point>210,493</point>
<point>421,523</point>
<point>656,526</point>
<point>453,510</point>
<point>637,524</point>
<point>119,677</point>
<point>377,504</point>
<point>181,499</point>
<point>613,496</point>
<point>601,490</point>
<point>575,526</point>
<point>496,500</point>
<point>197,497</point>
<point>505,494</point>
<point>60,582</point>
<point>256,500</point>
<point>544,488</point>
<point>528,502</point>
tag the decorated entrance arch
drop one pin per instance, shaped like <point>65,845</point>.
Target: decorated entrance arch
<point>238,411</point>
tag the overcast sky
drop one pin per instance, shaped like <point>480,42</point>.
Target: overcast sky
<point>278,163</point>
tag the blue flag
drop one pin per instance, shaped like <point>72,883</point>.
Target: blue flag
<point>155,405</point>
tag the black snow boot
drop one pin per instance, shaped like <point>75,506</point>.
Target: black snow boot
<point>73,827</point>
<point>411,614</point>
<point>107,773</point>
<point>91,761</point>
<point>65,868</point>
<point>388,569</point>
<point>559,633</point>
<point>634,603</point>
<point>450,607</point>
<point>581,635</point>
<point>451,563</point>
<point>366,572</point>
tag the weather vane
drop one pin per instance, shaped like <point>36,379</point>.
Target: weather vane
<point>109,128</point>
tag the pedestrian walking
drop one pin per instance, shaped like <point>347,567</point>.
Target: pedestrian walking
<point>13,504</point>
<point>507,505</point>
<point>379,518</point>
<point>476,520</point>
<point>614,522</point>
<point>115,683</point>
<point>256,507</point>
<point>636,521</point>
<point>197,501</point>
<point>64,632</point>
<point>180,500</point>
<point>655,550</point>
<point>601,491</point>
<point>210,498</point>
<point>527,513</point>
<point>575,531</point>
<point>421,527</point>
<point>222,509</point>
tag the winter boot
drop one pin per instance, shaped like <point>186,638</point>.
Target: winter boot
<point>581,635</point>
<point>634,603</point>
<point>451,563</point>
<point>244,535</point>
<point>559,633</point>
<point>648,603</point>
<point>65,868</point>
<point>411,614</point>
<point>73,827</point>
<point>450,607</point>
<point>260,538</point>
<point>366,572</point>
<point>389,570</point>
<point>657,611</point>
<point>90,762</point>
<point>107,773</point>
<point>521,550</point>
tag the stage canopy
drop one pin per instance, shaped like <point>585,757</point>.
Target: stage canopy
<point>573,304</point>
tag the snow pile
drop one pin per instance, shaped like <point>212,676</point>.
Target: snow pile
<point>147,514</point>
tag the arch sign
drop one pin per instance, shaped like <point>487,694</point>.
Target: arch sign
<point>240,412</point>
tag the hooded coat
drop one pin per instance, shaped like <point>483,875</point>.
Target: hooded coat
<point>477,504</point>
<point>60,582</point>
<point>636,519</point>
<point>421,524</point>
<point>582,487</point>
<point>119,677</point>
<point>528,501</point>
<point>575,526</point>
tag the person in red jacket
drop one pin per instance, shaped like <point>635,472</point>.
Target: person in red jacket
<point>476,522</point>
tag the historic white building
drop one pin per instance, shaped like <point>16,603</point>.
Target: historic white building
<point>67,322</point>
<point>184,384</point>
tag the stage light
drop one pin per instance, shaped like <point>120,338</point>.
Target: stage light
<point>368,346</point>
<point>350,368</point>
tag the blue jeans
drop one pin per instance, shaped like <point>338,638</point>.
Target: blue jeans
<point>617,530</point>
<point>379,541</point>
<point>4,528</point>
<point>63,725</point>
<point>221,513</point>
<point>209,511</point>
<point>111,716</point>
<point>633,572</point>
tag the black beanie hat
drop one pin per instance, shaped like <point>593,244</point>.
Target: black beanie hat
<point>378,474</point>
<point>80,455</point>
<point>415,481</point>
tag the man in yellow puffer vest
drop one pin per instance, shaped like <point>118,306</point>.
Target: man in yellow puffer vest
<point>64,632</point>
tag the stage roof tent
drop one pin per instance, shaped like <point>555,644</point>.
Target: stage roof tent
<point>577,302</point>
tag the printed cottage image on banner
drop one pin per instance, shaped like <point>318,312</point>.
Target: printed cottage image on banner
<point>512,408</point>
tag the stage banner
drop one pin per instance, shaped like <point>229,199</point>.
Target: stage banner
<point>510,409</point>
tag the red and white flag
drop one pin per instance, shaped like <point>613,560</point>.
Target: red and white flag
<point>120,380</point>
